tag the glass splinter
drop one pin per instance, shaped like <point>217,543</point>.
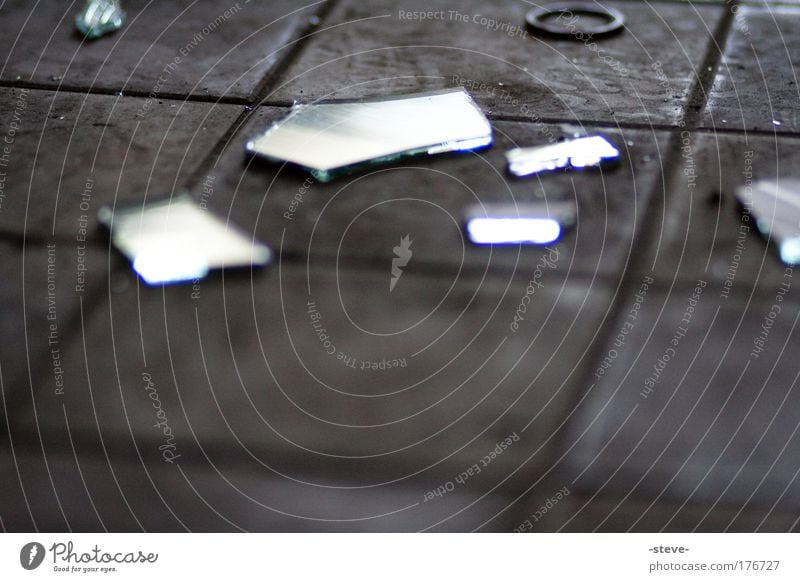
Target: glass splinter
<point>330,139</point>
<point>583,152</point>
<point>100,17</point>
<point>175,240</point>
<point>776,209</point>
<point>537,223</point>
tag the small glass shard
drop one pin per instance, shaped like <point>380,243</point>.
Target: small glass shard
<point>100,17</point>
<point>175,240</point>
<point>583,152</point>
<point>536,223</point>
<point>775,206</point>
<point>330,139</point>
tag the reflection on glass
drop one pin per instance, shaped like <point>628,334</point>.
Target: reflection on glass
<point>529,223</point>
<point>583,152</point>
<point>333,138</point>
<point>492,231</point>
<point>776,209</point>
<point>157,265</point>
<point>99,17</point>
<point>175,240</point>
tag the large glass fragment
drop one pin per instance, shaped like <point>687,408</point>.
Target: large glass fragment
<point>537,223</point>
<point>330,139</point>
<point>175,240</point>
<point>583,152</point>
<point>100,17</point>
<point>776,209</point>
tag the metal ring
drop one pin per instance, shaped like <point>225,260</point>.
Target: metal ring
<point>540,20</point>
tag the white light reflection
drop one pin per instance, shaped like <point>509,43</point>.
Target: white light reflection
<point>489,231</point>
<point>584,152</point>
<point>162,266</point>
<point>790,251</point>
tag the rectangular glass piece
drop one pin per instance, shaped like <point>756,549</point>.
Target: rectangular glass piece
<point>776,209</point>
<point>537,223</point>
<point>175,240</point>
<point>333,138</point>
<point>583,152</point>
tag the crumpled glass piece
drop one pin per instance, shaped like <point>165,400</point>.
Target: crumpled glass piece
<point>776,209</point>
<point>535,223</point>
<point>175,240</point>
<point>330,139</point>
<point>583,152</point>
<point>100,17</point>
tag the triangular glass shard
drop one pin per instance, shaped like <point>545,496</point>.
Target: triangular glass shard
<point>330,139</point>
<point>175,240</point>
<point>100,17</point>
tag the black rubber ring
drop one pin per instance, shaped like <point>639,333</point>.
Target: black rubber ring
<point>540,20</point>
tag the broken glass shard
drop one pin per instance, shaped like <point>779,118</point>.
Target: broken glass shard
<point>776,209</point>
<point>583,152</point>
<point>330,139</point>
<point>537,223</point>
<point>100,17</point>
<point>175,240</point>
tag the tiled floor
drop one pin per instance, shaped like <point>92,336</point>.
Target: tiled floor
<point>216,406</point>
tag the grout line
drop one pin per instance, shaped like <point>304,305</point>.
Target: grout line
<point>263,88</point>
<point>53,88</point>
<point>208,164</point>
<point>137,94</point>
<point>772,132</point>
<point>648,126</point>
<point>643,236</point>
<point>698,96</point>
